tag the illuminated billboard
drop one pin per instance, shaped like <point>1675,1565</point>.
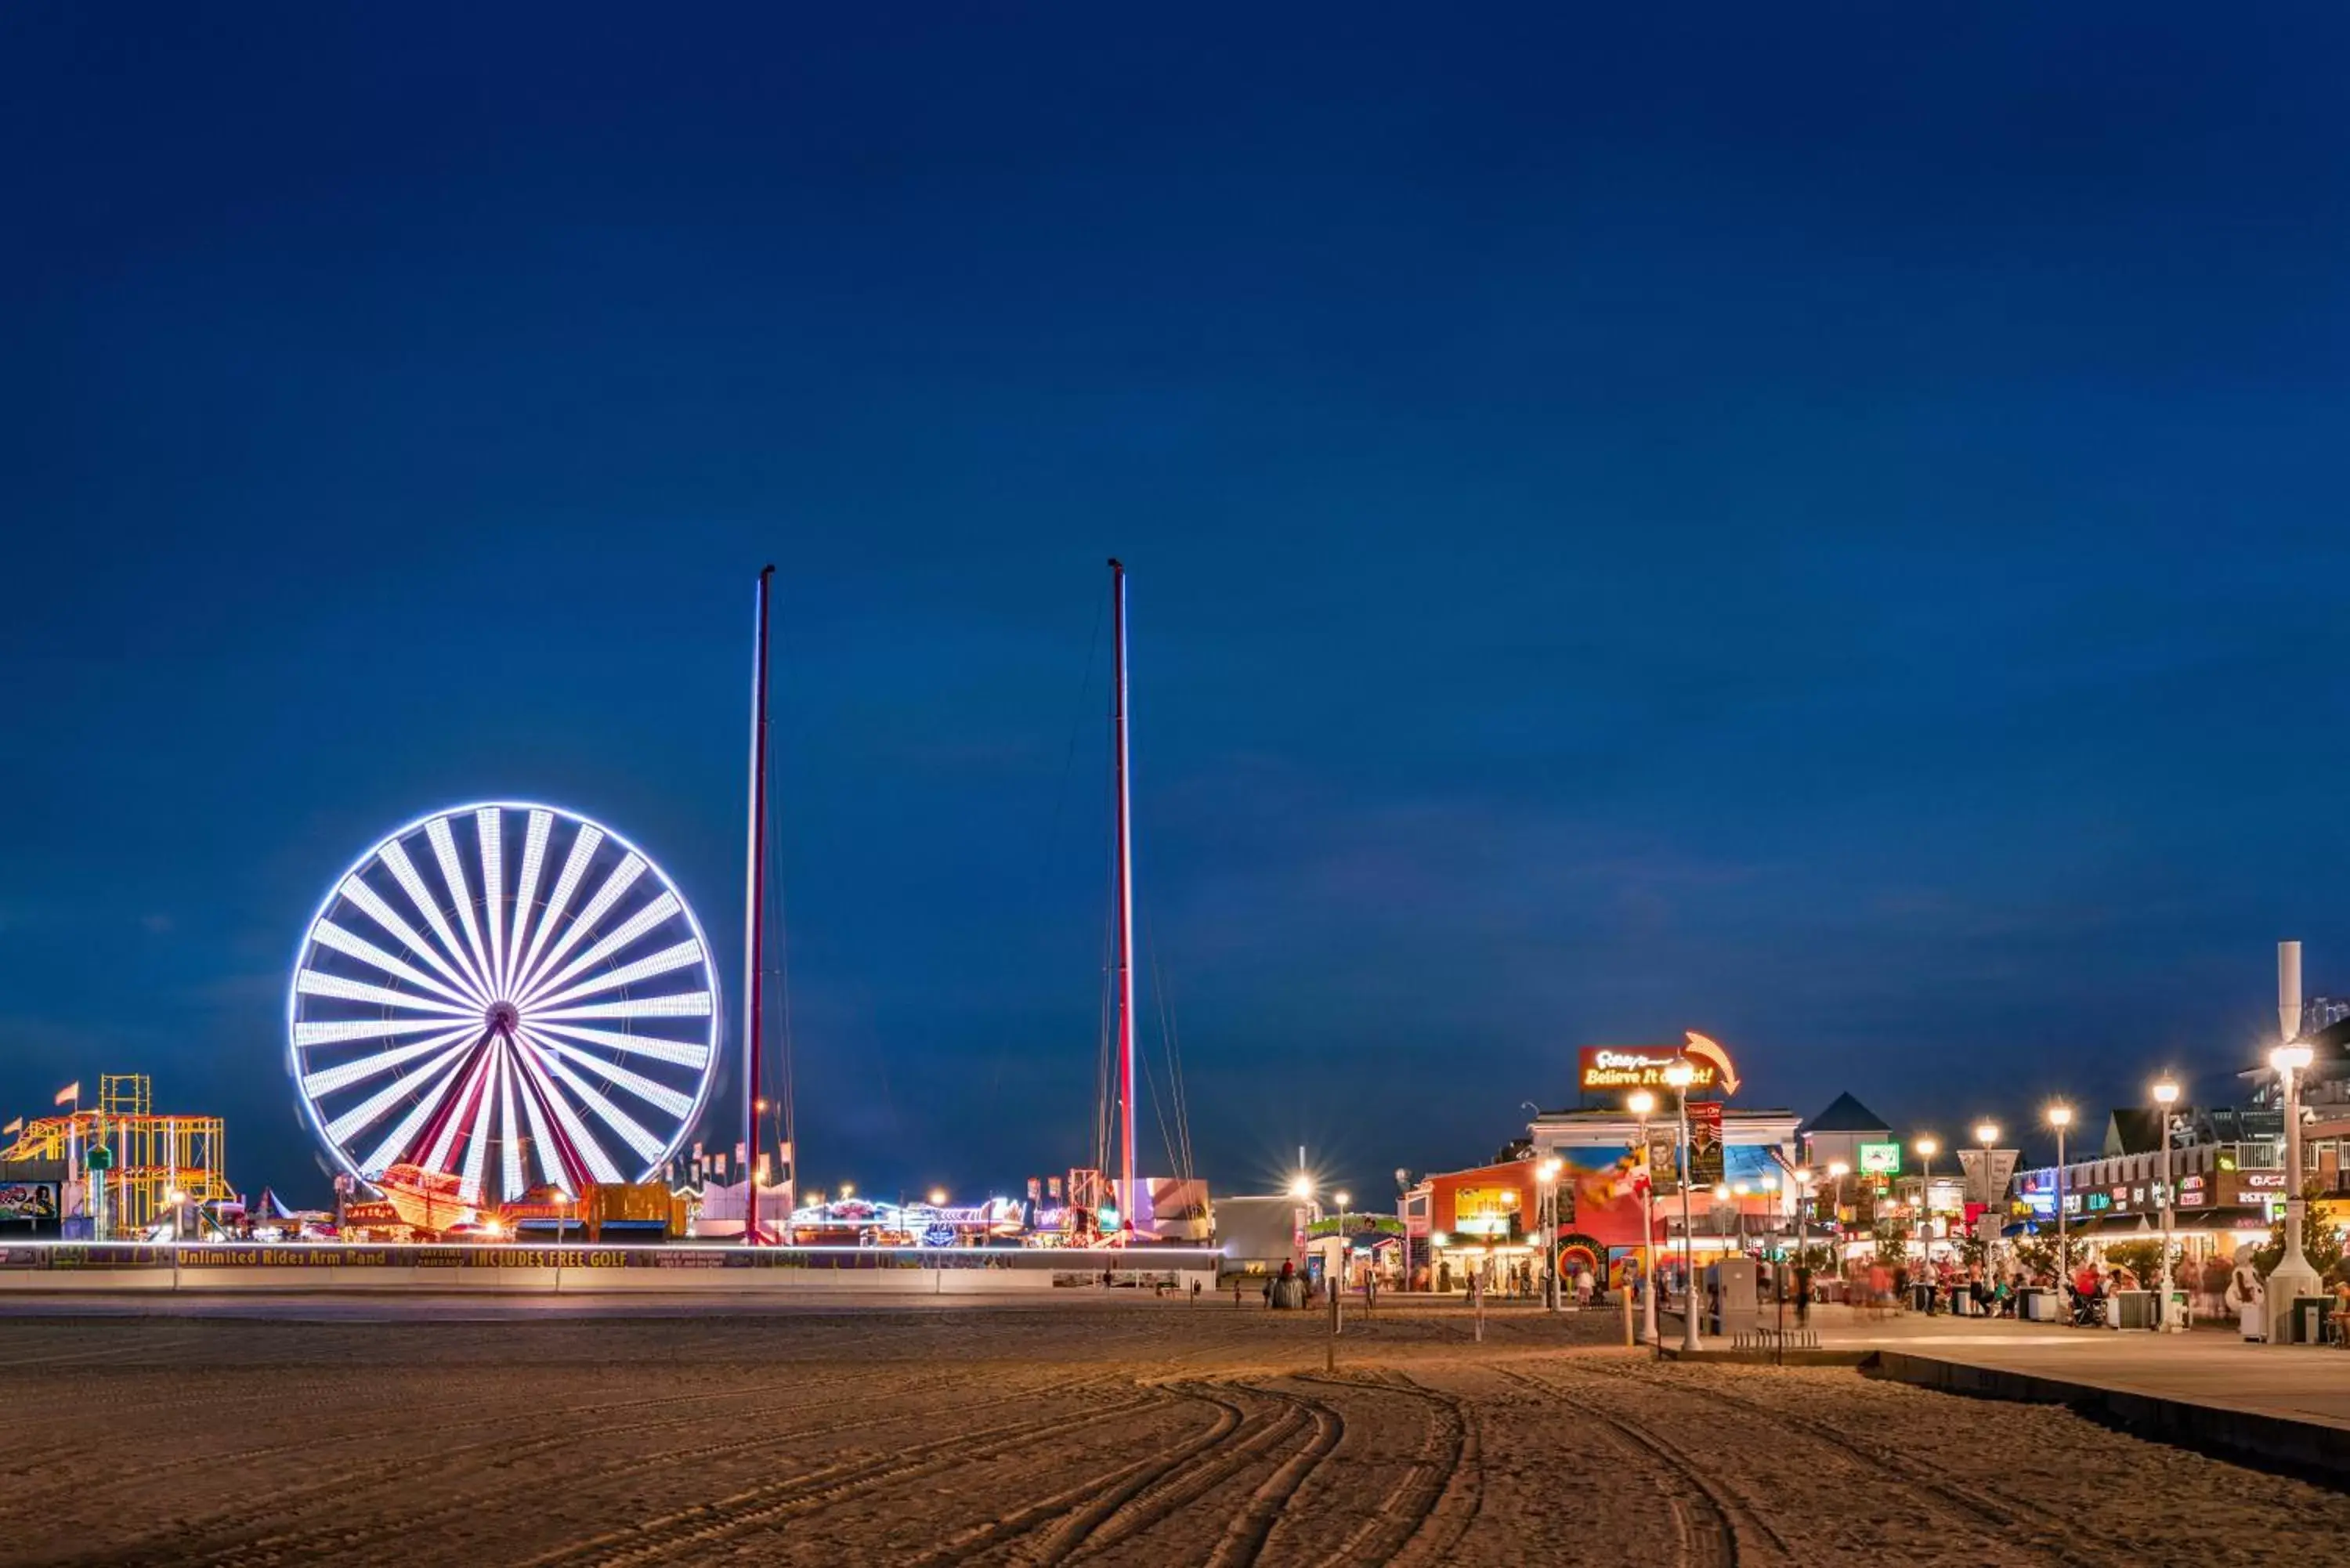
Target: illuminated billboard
<point>1608,1068</point>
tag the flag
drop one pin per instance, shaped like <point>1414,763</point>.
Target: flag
<point>71,1094</point>
<point>16,1125</point>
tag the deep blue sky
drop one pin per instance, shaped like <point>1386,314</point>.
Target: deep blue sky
<point>1821,524</point>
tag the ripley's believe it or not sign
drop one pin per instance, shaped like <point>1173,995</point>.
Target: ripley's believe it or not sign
<point>1617,1067</point>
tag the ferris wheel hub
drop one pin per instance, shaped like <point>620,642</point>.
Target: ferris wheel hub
<point>502,1017</point>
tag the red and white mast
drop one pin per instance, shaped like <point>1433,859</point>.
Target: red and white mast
<point>1127,1193</point>
<point>754,916</point>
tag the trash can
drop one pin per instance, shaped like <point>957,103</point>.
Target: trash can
<point>2132,1309</point>
<point>2308,1320</point>
<point>2037,1304</point>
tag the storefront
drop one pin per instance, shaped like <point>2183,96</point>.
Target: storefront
<point>1741,1201</point>
<point>1483,1223</point>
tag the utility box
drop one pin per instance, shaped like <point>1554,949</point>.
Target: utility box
<point>1737,1283</point>
<point>2306,1325</point>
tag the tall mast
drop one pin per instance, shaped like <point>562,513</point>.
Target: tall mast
<point>1128,1198</point>
<point>754,916</point>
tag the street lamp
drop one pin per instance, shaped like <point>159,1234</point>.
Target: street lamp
<point>938,1197</point>
<point>2166,1095</point>
<point>1678,1076</point>
<point>1927,1147</point>
<point>1338,1275</point>
<point>1837,1172</point>
<point>1546,1197</point>
<point>1802,1176</point>
<point>1642,1105</point>
<point>2292,1276</point>
<point>2060,1116</point>
<point>1301,1190</point>
<point>1987,1134</point>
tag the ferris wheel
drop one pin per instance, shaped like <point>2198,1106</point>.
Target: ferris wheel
<point>450,1015</point>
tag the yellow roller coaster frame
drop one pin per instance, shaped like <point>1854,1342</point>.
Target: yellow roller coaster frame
<point>153,1155</point>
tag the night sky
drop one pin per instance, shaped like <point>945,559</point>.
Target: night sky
<point>1820,525</point>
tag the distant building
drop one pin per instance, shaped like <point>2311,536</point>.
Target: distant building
<point>1836,1135</point>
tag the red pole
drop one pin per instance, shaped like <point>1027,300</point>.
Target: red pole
<point>755,918</point>
<point>1127,1195</point>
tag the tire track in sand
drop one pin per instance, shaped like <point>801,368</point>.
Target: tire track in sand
<point>1447,1478</point>
<point>1244,1539</point>
<point>2049,1533</point>
<point>692,1531</point>
<point>1713,1526</point>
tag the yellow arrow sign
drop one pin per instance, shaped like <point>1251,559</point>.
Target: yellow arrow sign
<point>1706,1050</point>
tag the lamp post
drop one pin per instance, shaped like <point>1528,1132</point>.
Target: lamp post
<point>1338,1284</point>
<point>2166,1095</point>
<point>1987,1134</point>
<point>2292,1276</point>
<point>1678,1076</point>
<point>2060,1116</point>
<point>1802,1179</point>
<point>1642,1105</point>
<point>1301,1190</point>
<point>1547,1174</point>
<point>175,1197</point>
<point>1837,1172</point>
<point>1927,1147</point>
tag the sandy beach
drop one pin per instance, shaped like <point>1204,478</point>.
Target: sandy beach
<point>1134,1433</point>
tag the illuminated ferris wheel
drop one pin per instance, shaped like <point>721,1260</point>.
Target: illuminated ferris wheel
<point>458,1015</point>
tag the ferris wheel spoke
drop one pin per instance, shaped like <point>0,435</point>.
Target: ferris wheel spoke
<point>623,876</point>
<point>684,1053</point>
<point>326,1080</point>
<point>533,860</point>
<point>656,1095</point>
<point>684,1004</point>
<point>509,1145</point>
<point>477,1138</point>
<point>371,903</point>
<point>404,872</point>
<point>449,1119</point>
<point>491,833</point>
<point>575,871</point>
<point>327,934</point>
<point>582,1142</point>
<point>444,850</point>
<point>550,1154</point>
<point>619,940</point>
<point>310,983</point>
<point>372,1109</point>
<point>630,1130</point>
<point>343,1031</point>
<point>672,957</point>
<point>396,1143</point>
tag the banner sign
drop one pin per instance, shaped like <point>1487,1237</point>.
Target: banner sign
<point>1664,1158</point>
<point>1880,1160</point>
<point>1705,1143</point>
<point>1609,1068</point>
<point>1988,1178</point>
<point>29,1204</point>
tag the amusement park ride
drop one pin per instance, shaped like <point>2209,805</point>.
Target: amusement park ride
<point>135,1160</point>
<point>506,1015</point>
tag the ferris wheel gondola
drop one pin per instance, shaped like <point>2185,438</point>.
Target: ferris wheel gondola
<point>448,1016</point>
